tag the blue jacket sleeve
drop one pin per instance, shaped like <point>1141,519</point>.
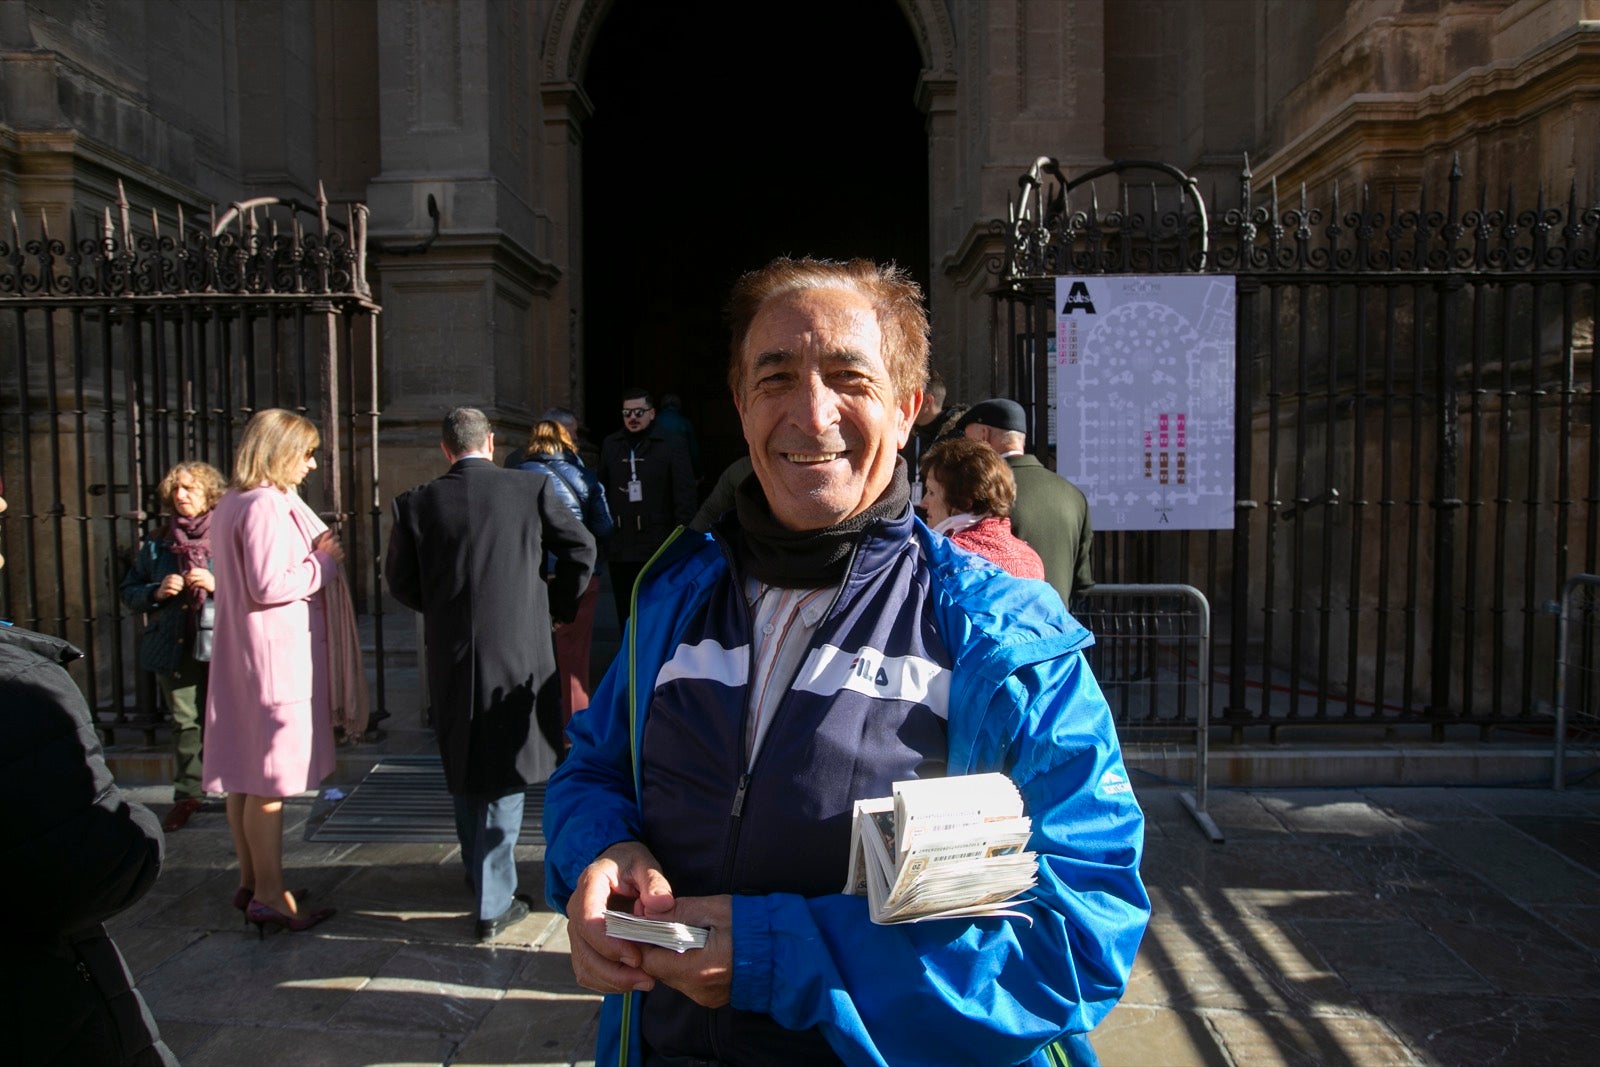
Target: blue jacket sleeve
<point>589,802</point>
<point>990,990</point>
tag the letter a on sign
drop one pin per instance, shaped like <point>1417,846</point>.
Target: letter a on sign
<point>1078,300</point>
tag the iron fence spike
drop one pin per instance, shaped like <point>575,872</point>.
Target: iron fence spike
<point>44,226</point>
<point>1247,172</point>
<point>122,209</point>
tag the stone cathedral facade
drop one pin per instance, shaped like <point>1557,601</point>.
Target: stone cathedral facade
<point>479,108</point>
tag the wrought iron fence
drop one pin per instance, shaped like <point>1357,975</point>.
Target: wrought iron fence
<point>1577,676</point>
<point>1416,467</point>
<point>128,344</point>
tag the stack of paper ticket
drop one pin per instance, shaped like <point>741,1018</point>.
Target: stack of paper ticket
<point>679,937</point>
<point>941,848</point>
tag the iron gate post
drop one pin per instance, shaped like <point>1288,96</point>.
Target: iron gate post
<point>1446,503</point>
<point>1236,712</point>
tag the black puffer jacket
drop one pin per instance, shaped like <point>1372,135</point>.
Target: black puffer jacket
<point>75,852</point>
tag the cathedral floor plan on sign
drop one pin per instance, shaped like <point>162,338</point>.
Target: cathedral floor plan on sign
<point>1144,392</point>
<point>940,848</point>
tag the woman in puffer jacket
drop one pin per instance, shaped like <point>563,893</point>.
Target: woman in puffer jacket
<point>552,452</point>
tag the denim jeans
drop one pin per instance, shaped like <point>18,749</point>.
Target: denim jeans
<point>487,827</point>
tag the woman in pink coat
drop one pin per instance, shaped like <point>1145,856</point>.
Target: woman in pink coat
<point>268,733</point>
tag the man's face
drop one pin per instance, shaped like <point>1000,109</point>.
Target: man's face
<point>637,413</point>
<point>818,407</point>
<point>930,409</point>
<point>980,434</point>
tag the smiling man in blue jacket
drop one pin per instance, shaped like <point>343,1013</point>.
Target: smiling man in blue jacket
<point>817,646</point>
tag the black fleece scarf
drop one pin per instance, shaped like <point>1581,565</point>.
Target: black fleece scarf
<point>806,559</point>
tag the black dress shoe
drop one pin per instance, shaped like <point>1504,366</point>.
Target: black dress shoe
<point>515,912</point>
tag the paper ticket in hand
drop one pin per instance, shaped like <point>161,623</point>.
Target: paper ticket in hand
<point>679,937</point>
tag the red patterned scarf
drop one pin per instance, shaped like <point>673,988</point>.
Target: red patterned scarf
<point>191,543</point>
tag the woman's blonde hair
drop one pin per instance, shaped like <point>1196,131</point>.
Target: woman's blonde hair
<point>274,444</point>
<point>206,478</point>
<point>550,438</point>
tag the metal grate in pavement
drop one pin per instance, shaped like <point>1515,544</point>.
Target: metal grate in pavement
<point>403,799</point>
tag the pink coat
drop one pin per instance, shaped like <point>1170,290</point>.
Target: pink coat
<point>267,730</point>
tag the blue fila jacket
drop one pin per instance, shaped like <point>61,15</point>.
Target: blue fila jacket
<point>930,661</point>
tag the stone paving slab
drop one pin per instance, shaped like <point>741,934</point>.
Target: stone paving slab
<point>1415,927</point>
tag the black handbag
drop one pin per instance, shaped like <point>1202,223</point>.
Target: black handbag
<point>203,630</point>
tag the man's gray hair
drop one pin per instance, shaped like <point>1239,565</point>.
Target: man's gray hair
<point>464,430</point>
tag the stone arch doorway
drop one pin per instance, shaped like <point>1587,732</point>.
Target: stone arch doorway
<point>713,138</point>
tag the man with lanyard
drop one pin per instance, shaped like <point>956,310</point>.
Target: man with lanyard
<point>817,646</point>
<point>650,486</point>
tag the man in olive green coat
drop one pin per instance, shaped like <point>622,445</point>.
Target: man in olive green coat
<point>1051,513</point>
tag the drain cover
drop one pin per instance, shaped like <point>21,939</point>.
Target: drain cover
<point>404,799</point>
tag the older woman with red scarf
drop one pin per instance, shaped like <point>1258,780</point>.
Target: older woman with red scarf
<point>968,491</point>
<point>171,583</point>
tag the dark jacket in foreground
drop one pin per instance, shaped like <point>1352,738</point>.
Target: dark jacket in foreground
<point>466,551</point>
<point>1052,515</point>
<point>75,852</point>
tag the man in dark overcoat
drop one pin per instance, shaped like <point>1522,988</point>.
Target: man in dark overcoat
<point>1051,513</point>
<point>467,550</point>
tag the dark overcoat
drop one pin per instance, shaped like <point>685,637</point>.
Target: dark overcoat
<point>466,551</point>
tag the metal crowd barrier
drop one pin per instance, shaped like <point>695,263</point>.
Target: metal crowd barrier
<point>1577,689</point>
<point>1152,658</point>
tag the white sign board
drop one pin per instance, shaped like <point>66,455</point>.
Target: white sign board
<point>1144,398</point>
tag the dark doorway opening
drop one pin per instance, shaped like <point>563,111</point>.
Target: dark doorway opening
<point>726,133</point>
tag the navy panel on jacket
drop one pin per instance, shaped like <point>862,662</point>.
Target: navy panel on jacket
<point>867,708</point>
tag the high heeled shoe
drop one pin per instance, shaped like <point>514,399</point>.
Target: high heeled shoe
<point>244,894</point>
<point>263,916</point>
